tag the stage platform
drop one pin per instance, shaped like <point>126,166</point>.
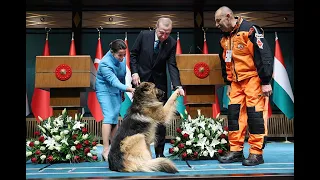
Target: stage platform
<point>278,157</point>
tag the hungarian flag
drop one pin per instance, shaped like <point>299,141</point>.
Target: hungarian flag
<point>180,100</point>
<point>72,51</point>
<point>40,103</point>
<point>282,91</point>
<point>128,95</point>
<point>93,103</point>
<point>215,105</point>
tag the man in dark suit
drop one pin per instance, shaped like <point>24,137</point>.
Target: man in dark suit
<point>150,54</point>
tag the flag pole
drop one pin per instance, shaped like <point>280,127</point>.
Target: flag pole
<point>47,32</point>
<point>99,31</point>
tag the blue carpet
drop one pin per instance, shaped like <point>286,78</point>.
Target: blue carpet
<point>278,157</point>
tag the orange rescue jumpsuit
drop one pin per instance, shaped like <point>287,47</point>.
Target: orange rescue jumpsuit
<point>250,66</point>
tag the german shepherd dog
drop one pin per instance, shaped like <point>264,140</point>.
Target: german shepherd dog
<point>130,146</point>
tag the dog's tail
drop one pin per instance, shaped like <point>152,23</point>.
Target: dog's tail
<point>159,164</point>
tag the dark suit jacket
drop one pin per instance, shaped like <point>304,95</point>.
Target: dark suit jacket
<point>141,60</point>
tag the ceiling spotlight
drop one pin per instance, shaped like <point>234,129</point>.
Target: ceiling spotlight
<point>42,19</point>
<point>110,19</point>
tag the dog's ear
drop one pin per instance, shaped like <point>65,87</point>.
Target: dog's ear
<point>144,86</point>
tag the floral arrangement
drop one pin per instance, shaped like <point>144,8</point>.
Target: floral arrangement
<point>199,138</point>
<point>61,139</point>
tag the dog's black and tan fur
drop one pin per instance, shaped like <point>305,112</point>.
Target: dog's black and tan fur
<point>130,147</point>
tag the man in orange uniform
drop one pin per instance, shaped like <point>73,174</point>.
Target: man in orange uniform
<point>247,67</point>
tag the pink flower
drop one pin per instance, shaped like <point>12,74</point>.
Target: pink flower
<point>184,155</point>
<point>181,145</point>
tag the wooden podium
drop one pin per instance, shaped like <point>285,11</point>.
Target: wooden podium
<point>68,78</point>
<point>199,74</point>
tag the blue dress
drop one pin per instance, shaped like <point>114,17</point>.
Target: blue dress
<point>110,82</point>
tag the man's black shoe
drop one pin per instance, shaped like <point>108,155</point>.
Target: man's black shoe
<point>232,156</point>
<point>253,159</point>
<point>159,155</point>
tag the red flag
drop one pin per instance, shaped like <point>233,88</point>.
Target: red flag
<point>178,49</point>
<point>93,103</point>
<point>72,51</point>
<point>215,105</point>
<point>40,103</point>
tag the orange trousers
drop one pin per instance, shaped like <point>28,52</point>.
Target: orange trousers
<point>247,109</point>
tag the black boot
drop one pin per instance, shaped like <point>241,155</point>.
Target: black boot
<point>232,156</point>
<point>159,152</point>
<point>253,159</point>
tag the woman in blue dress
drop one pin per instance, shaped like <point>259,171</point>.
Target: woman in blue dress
<point>110,84</point>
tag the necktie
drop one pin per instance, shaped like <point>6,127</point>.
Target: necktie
<point>156,46</point>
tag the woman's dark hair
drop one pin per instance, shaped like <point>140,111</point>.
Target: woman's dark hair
<point>117,45</point>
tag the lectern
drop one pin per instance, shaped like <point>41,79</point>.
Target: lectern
<point>68,78</point>
<point>199,74</point>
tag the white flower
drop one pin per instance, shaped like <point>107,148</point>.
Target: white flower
<point>223,141</point>
<point>43,157</point>
<point>225,132</point>
<point>64,111</point>
<point>49,142</point>
<point>28,153</point>
<point>199,112</point>
<point>55,129</point>
<point>191,136</point>
<point>76,142</point>
<point>218,134</point>
<point>189,151</point>
<point>85,136</point>
<point>51,147</point>
<point>175,149</point>
<point>47,125</point>
<point>69,119</point>
<point>42,129</point>
<point>207,142</point>
<point>65,141</point>
<point>207,132</point>
<point>36,142</point>
<point>211,151</point>
<point>73,148</point>
<point>66,132</point>
<point>178,139</point>
<point>205,153</point>
<point>57,138</point>
<point>58,148</point>
<point>78,125</point>
<point>202,124</point>
<point>188,143</point>
<point>200,135</point>
<point>89,155</point>
<point>58,122</point>
<point>68,156</point>
<point>214,142</point>
<point>202,142</point>
<point>28,142</point>
<point>94,148</point>
<point>42,148</point>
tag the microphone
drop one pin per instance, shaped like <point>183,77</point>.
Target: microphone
<point>190,49</point>
<point>200,49</point>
